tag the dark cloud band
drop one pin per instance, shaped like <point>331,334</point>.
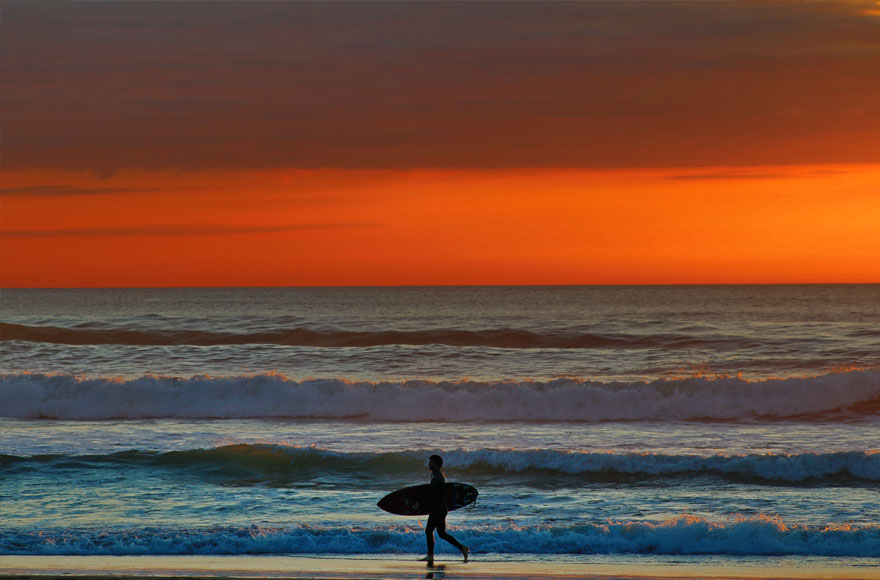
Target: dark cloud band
<point>235,85</point>
<point>176,230</point>
<point>68,190</point>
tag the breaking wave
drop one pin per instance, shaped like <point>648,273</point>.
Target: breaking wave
<point>759,536</point>
<point>846,396</point>
<point>261,461</point>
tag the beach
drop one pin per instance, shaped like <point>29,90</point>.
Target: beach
<point>226,567</point>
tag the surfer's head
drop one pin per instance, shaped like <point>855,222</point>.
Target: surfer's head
<point>435,462</point>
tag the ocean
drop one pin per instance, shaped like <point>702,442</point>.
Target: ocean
<point>711,424</point>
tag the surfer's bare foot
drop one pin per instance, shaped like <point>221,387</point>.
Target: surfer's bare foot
<point>465,552</point>
<point>427,559</point>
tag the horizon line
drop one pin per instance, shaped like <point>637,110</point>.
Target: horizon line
<point>390,286</point>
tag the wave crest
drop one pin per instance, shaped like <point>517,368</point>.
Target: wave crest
<point>853,395</point>
<point>758,535</point>
<point>290,462</point>
<point>335,338</point>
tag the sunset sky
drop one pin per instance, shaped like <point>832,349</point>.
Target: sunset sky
<point>386,143</point>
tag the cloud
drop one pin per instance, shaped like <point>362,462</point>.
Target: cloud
<point>103,86</point>
<point>792,172</point>
<point>66,190</point>
<point>726,176</point>
<point>178,230</point>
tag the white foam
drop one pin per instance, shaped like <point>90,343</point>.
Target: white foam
<point>272,395</point>
<point>777,467</point>
<point>758,535</point>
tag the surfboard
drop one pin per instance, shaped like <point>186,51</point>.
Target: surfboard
<point>414,501</point>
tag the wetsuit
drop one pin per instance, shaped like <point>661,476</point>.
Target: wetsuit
<point>437,516</point>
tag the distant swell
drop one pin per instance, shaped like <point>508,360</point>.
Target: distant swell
<point>498,338</point>
<point>755,536</point>
<point>259,462</point>
<point>847,396</point>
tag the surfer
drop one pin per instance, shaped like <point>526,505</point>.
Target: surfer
<point>437,516</point>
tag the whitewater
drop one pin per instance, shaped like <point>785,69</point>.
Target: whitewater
<point>705,422</point>
<point>854,395</point>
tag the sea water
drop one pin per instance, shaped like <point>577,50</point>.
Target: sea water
<point>697,422</point>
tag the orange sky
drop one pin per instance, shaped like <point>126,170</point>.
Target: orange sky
<point>351,227</point>
<point>376,143</point>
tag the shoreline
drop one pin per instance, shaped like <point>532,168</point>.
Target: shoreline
<point>394,568</point>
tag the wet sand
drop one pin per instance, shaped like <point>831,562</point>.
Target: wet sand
<point>295,567</point>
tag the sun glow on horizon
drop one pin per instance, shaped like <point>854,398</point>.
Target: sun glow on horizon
<point>424,227</point>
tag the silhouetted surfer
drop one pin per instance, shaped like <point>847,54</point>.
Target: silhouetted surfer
<point>437,516</point>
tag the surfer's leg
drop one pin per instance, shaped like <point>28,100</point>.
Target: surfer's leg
<point>429,536</point>
<point>441,531</point>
